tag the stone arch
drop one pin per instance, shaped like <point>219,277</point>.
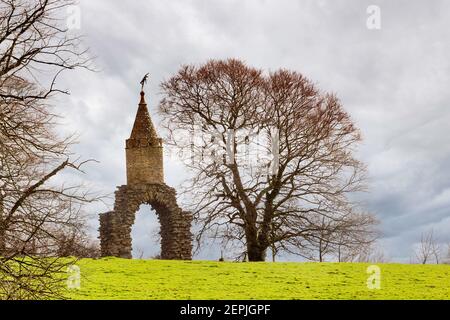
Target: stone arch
<point>115,226</point>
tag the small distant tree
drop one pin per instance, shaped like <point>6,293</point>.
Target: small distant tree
<point>76,243</point>
<point>428,250</point>
<point>140,253</point>
<point>447,257</point>
<point>364,253</point>
<point>347,239</point>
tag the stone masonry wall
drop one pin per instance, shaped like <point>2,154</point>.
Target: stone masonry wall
<point>144,165</point>
<point>115,226</point>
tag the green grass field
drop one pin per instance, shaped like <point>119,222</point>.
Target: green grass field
<point>113,278</point>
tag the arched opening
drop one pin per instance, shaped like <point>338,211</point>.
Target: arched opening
<point>145,234</point>
<point>118,226</point>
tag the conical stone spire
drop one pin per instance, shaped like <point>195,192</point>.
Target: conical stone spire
<point>144,149</point>
<point>143,132</point>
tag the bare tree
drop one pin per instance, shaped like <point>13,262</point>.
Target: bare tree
<point>75,243</point>
<point>428,250</point>
<point>270,154</point>
<point>35,208</point>
<point>447,257</point>
<point>140,253</point>
<point>347,239</point>
<point>364,252</point>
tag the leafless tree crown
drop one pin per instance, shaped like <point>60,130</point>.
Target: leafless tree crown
<point>272,159</point>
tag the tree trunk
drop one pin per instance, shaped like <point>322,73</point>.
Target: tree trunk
<point>255,252</point>
<point>320,250</point>
<point>2,227</point>
<point>256,249</point>
<point>2,242</point>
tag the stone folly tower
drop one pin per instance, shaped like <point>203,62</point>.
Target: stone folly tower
<point>145,185</point>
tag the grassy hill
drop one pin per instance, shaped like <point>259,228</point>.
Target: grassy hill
<point>113,278</point>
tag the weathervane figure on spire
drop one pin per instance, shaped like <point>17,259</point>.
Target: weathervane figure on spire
<point>144,81</point>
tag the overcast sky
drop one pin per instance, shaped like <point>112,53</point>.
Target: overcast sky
<point>393,81</point>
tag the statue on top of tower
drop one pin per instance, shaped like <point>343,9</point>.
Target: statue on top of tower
<point>144,81</point>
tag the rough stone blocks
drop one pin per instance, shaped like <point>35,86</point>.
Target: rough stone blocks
<point>115,226</point>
